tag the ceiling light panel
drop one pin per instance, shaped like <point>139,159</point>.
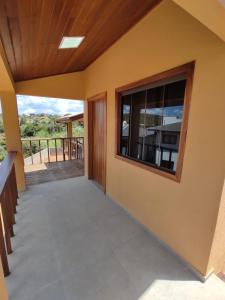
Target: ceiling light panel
<point>71,42</point>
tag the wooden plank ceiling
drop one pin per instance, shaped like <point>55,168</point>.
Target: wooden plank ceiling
<point>31,31</point>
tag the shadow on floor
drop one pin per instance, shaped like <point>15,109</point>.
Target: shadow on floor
<point>73,243</point>
<point>40,173</point>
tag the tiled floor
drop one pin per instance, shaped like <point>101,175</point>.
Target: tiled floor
<point>73,243</point>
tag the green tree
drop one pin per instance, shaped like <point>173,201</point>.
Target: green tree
<point>1,124</point>
<point>28,130</point>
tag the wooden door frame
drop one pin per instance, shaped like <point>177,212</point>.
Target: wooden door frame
<point>90,101</point>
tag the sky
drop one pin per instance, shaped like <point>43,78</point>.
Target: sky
<point>171,111</point>
<point>37,105</point>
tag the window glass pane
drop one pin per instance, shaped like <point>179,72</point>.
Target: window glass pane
<point>151,125</point>
<point>125,124</point>
<point>171,124</point>
<point>153,119</point>
<point>137,125</point>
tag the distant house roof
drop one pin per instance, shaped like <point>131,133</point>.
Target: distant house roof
<point>167,127</point>
<point>70,118</point>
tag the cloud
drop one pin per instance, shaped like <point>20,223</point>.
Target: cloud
<point>37,105</point>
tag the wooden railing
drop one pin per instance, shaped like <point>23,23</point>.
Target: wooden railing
<point>41,150</point>
<point>8,203</point>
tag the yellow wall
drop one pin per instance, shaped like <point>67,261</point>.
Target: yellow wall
<point>12,133</point>
<point>217,259</point>
<point>6,81</point>
<point>211,13</point>
<point>10,116</point>
<point>3,291</point>
<point>183,215</point>
<point>68,86</point>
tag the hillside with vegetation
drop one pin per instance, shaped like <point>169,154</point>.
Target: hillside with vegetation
<point>41,126</point>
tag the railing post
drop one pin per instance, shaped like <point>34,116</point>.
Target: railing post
<point>70,147</point>
<point>77,149</point>
<point>15,184</point>
<point>48,151</point>
<point>3,251</point>
<point>7,224</point>
<point>31,153</point>
<point>82,153</point>
<point>12,192</point>
<point>56,152</point>
<point>8,202</point>
<point>40,150</point>
<point>63,149</point>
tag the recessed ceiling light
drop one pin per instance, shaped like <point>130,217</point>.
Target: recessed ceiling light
<point>71,42</point>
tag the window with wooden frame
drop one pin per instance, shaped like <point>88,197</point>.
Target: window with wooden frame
<point>152,119</point>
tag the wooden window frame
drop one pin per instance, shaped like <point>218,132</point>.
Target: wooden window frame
<point>188,71</point>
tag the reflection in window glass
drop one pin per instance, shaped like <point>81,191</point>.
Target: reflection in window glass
<point>125,124</point>
<point>137,124</point>
<point>154,113</point>
<point>151,125</point>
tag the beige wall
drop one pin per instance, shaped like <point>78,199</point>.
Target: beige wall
<point>3,291</point>
<point>183,215</point>
<point>68,86</point>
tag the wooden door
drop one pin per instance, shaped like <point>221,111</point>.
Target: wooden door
<point>97,139</point>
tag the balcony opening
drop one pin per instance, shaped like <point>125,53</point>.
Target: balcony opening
<point>52,137</point>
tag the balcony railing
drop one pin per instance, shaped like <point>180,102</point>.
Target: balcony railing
<point>47,150</point>
<point>8,203</point>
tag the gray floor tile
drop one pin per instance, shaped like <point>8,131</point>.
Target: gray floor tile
<point>118,228</point>
<point>73,243</point>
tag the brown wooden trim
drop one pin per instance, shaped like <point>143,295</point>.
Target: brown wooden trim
<point>3,254</point>
<point>186,69</point>
<point>6,168</point>
<point>8,202</point>
<point>90,100</point>
<point>153,6</point>
<point>98,96</point>
<point>117,18</point>
<point>184,128</point>
<point>90,139</point>
<point>118,122</point>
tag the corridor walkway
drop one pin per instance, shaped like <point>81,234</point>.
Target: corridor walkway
<point>73,243</point>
